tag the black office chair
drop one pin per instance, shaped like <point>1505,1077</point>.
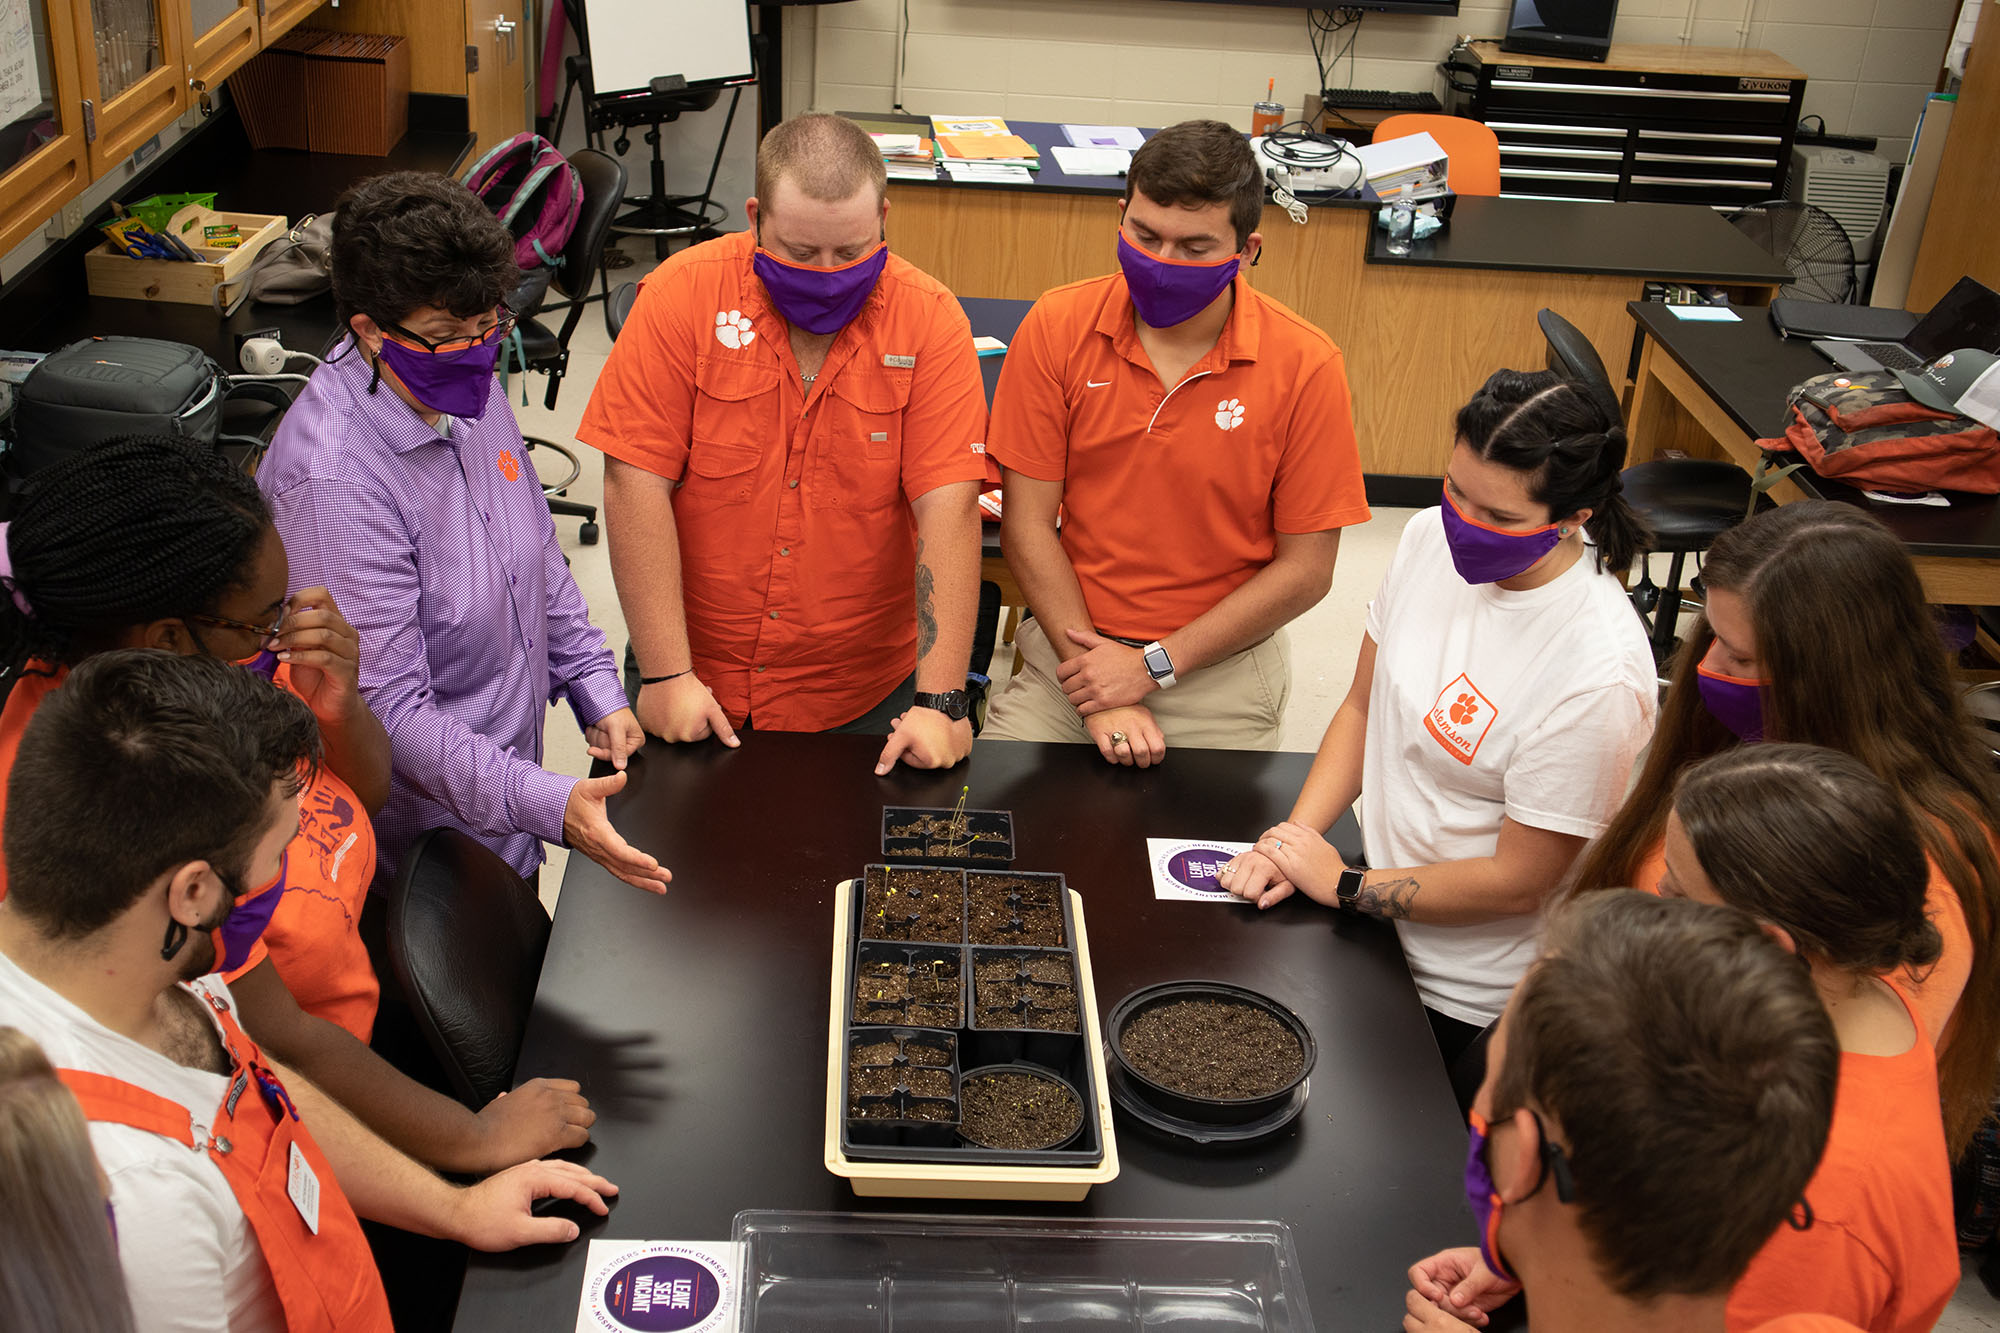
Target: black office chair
<point>618,308</point>
<point>466,939</point>
<point>546,350</point>
<point>1687,502</point>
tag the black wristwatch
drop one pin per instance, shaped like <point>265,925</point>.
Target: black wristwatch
<point>954,704</point>
<point>1348,890</point>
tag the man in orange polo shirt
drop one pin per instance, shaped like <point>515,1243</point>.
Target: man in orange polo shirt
<point>792,422</point>
<point>1198,441</point>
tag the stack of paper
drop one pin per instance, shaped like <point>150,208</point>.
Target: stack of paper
<point>984,144</point>
<point>1412,167</point>
<point>907,156</point>
<point>1092,161</point>
<point>1127,137</point>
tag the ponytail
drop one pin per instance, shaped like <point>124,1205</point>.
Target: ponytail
<point>1540,423</point>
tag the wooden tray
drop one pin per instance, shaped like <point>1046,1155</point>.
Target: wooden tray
<point>111,272</point>
<point>936,1180</point>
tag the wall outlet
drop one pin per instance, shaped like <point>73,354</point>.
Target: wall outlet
<point>67,222</point>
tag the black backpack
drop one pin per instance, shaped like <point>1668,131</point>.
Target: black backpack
<point>101,388</point>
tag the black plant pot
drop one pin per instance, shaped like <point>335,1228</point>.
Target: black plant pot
<point>1188,1107</point>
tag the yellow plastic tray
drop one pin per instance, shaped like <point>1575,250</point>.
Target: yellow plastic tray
<point>936,1180</point>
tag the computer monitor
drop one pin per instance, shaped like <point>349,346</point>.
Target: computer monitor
<point>1578,29</point>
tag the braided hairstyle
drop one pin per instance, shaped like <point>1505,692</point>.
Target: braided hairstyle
<point>1537,422</point>
<point>140,528</point>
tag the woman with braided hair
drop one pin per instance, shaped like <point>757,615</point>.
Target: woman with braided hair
<point>155,542</point>
<point>1503,690</point>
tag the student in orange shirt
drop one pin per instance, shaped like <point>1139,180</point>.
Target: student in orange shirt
<point>1817,848</point>
<point>1816,631</point>
<point>159,543</point>
<point>1656,1095</point>
<point>1197,440</point>
<point>792,422</point>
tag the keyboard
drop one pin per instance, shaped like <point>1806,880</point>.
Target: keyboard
<point>1893,356</point>
<point>1377,99</point>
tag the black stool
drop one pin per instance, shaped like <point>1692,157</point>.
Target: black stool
<point>1688,503</point>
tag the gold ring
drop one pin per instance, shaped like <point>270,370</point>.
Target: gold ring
<point>1117,738</point>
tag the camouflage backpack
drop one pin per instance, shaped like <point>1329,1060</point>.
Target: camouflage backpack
<point>1863,428</point>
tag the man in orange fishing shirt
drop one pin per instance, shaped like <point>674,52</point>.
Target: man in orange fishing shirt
<point>793,423</point>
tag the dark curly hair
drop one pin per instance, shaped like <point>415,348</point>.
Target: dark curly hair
<point>140,528</point>
<point>416,238</point>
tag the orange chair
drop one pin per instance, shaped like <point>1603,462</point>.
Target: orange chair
<point>1473,149</point>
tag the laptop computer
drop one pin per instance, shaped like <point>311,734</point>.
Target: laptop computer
<point>1966,316</point>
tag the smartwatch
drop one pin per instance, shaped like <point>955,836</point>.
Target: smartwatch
<point>954,704</point>
<point>1348,890</point>
<point>1159,665</point>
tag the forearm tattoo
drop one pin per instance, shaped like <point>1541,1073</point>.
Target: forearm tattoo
<point>1391,901</point>
<point>927,629</point>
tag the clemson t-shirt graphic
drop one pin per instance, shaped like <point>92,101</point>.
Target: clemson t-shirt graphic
<point>1460,718</point>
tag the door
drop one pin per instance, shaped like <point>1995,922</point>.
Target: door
<point>278,17</point>
<point>131,74</point>
<point>220,36</point>
<point>497,96</point>
<point>42,158</point>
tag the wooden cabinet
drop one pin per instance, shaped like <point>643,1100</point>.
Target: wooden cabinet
<point>41,121</point>
<point>277,17</point>
<point>481,50</point>
<point>130,65</point>
<point>221,35</point>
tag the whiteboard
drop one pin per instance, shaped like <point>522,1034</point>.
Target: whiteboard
<point>633,42</point>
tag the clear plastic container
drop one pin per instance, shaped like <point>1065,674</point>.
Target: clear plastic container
<point>867,1273</point>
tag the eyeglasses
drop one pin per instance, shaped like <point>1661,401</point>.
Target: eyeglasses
<point>262,632</point>
<point>503,324</point>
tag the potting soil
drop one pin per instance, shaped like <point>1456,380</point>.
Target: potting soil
<point>1212,1048</point>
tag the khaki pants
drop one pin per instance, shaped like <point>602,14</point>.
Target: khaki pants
<point>1235,704</point>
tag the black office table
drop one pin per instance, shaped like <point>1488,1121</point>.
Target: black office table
<point>1733,379</point>
<point>697,1023</point>
<point>1684,242</point>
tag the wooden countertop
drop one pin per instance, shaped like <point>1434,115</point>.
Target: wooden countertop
<point>1713,60</point>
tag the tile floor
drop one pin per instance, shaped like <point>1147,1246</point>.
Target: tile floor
<point>1323,641</point>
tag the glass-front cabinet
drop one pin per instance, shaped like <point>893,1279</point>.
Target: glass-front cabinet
<point>133,81</point>
<point>42,156</point>
<point>221,35</point>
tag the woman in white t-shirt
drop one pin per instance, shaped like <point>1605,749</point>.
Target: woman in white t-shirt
<point>1503,691</point>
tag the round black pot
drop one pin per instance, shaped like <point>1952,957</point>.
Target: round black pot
<point>1034,1071</point>
<point>1187,1106</point>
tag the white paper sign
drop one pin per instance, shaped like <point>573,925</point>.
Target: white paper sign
<point>1187,870</point>
<point>20,84</point>
<point>660,1286</point>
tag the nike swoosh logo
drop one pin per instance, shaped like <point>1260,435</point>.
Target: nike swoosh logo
<point>1095,384</point>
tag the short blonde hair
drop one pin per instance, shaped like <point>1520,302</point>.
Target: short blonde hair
<point>827,157</point>
<point>57,1264</point>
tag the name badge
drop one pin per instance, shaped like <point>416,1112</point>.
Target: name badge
<point>900,362</point>
<point>303,1186</point>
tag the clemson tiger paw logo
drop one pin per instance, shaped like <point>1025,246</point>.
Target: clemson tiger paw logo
<point>510,466</point>
<point>733,330</point>
<point>1463,709</point>
<point>1229,414</point>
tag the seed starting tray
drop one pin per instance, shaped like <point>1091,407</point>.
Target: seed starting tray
<point>906,1141</point>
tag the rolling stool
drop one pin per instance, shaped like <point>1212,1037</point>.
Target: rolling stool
<point>1688,503</point>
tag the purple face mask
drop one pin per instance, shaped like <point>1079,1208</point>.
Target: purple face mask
<point>1167,292</point>
<point>1485,1199</point>
<point>1482,554</point>
<point>456,381</point>
<point>1733,701</point>
<point>246,922</point>
<point>264,664</point>
<point>1484,1195</point>
<point>820,300</point>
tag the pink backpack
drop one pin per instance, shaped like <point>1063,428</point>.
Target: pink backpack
<point>536,194</point>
